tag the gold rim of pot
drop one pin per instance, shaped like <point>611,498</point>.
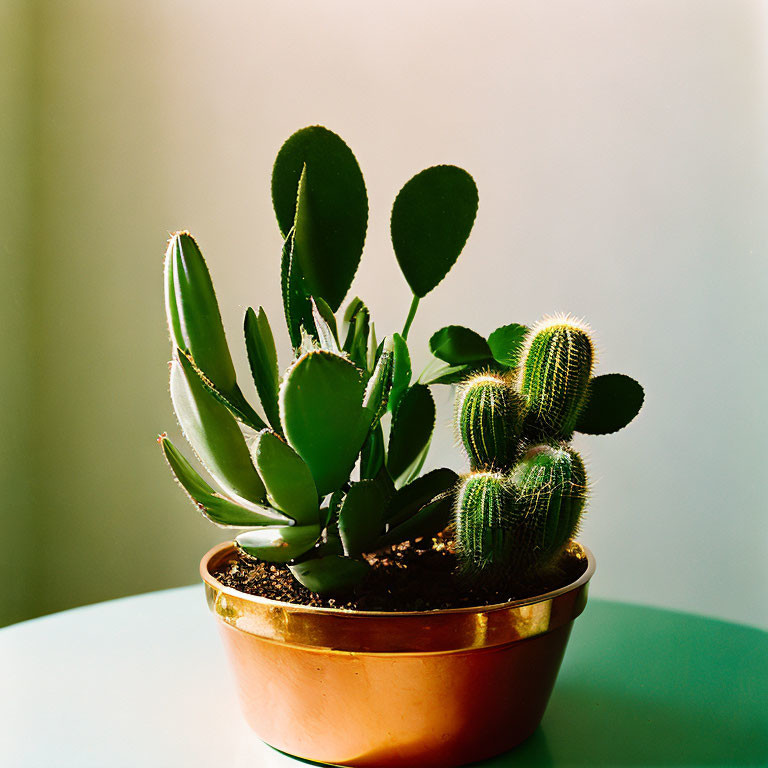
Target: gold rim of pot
<point>448,630</point>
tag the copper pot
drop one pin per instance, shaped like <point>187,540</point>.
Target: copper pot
<point>424,688</point>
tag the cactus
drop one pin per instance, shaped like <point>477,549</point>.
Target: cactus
<point>514,515</point>
<point>488,416</point>
<point>293,484</point>
<point>484,535</point>
<point>554,376</point>
<point>550,489</point>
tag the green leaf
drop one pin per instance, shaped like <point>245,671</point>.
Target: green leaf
<point>447,374</point>
<point>421,508</point>
<point>401,371</point>
<point>372,454</point>
<point>613,400</point>
<point>278,545</point>
<point>329,207</point>
<point>323,316</point>
<point>430,519</point>
<point>289,483</point>
<point>296,304</point>
<point>334,573</point>
<point>361,517</point>
<point>373,349</point>
<point>432,217</point>
<point>506,344</point>
<point>217,508</point>
<point>195,324</point>
<point>262,357</point>
<point>417,494</point>
<point>193,313</point>
<point>412,425</point>
<point>458,345</point>
<point>357,325</point>
<point>377,389</point>
<point>321,408</point>
<point>213,434</point>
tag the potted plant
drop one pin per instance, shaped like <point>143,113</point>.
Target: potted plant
<point>375,615</point>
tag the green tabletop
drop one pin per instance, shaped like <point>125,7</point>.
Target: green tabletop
<point>648,687</point>
<point>129,683</point>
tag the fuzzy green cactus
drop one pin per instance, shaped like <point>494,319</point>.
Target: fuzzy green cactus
<point>488,417</point>
<point>516,515</point>
<point>484,502</point>
<point>550,492</point>
<point>294,485</point>
<point>554,375</point>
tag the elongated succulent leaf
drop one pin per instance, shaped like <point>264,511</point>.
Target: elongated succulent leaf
<point>321,409</point>
<point>357,327</point>
<point>458,345</point>
<point>217,508</point>
<point>213,434</point>
<point>289,483</point>
<point>326,334</point>
<point>412,425</point>
<point>332,212</point>
<point>428,520</point>
<point>372,454</point>
<point>431,220</point>
<point>380,383</point>
<point>401,371</point>
<point>278,545</point>
<point>613,400</point>
<point>331,574</point>
<point>262,357</point>
<point>409,499</point>
<point>193,313</point>
<point>506,344</point>
<point>296,304</point>
<point>361,517</point>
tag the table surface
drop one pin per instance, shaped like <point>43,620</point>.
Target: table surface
<point>122,683</point>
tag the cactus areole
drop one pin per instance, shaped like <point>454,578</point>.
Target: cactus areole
<point>322,476</point>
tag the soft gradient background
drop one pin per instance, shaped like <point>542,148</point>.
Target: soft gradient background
<point>620,152</point>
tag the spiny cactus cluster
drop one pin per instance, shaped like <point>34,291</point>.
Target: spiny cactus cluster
<point>311,476</point>
<point>520,505</point>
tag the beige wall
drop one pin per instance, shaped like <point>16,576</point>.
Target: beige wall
<point>620,153</point>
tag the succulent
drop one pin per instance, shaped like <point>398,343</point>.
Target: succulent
<point>520,506</point>
<point>329,468</point>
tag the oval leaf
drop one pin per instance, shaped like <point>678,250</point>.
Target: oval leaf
<point>613,400</point>
<point>458,345</point>
<point>278,545</point>
<point>217,508</point>
<point>329,208</point>
<point>412,426</point>
<point>321,408</point>
<point>506,343</point>
<point>431,220</point>
<point>289,483</point>
<point>334,573</point>
<point>213,434</point>
<point>361,517</point>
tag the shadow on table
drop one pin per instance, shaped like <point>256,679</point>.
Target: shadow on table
<point>655,688</point>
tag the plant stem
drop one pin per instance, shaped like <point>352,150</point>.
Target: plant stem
<point>411,315</point>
